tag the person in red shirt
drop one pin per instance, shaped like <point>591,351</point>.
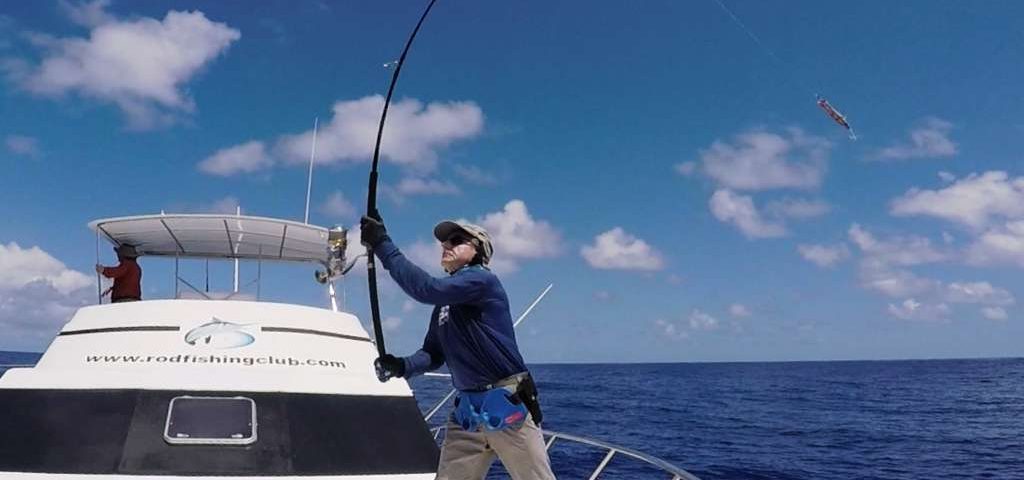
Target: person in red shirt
<point>127,275</point>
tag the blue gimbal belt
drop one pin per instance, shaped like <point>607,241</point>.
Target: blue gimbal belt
<point>494,407</point>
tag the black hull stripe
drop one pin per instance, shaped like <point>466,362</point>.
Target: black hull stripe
<point>120,329</point>
<point>315,332</point>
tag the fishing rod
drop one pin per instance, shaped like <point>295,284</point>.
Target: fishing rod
<point>371,196</point>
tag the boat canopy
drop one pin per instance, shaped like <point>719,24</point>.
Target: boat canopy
<point>217,236</point>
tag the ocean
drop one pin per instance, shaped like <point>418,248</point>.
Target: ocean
<point>893,420</point>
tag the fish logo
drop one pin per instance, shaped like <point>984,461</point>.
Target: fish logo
<point>219,334</point>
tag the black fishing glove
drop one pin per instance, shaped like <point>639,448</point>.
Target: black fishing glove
<point>372,231</point>
<point>389,366</point>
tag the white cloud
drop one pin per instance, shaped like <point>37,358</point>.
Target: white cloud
<point>999,246</point>
<point>702,321</point>
<point>671,330</point>
<point>739,310</point>
<point>603,296</point>
<point>141,65</point>
<point>896,250</point>
<point>337,206</point>
<point>618,250</point>
<point>946,177</point>
<point>427,255</point>
<point>390,324</point>
<point>911,309</point>
<point>994,313</point>
<point>929,140</point>
<point>413,136</point>
<point>978,292</point>
<point>245,158</point>
<point>87,14</point>
<point>22,145</point>
<point>893,282</point>
<point>518,236</point>
<point>475,175</point>
<point>22,266</point>
<point>739,210</point>
<point>227,205</point>
<point>797,208</point>
<point>686,168</point>
<point>38,293</point>
<point>824,255</point>
<point>411,186</point>
<point>760,160</point>
<point>974,201</point>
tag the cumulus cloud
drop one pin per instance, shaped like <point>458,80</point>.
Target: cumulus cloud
<point>824,255</point>
<point>22,266</point>
<point>245,158</point>
<point>897,250</point>
<point>22,145</point>
<point>427,255</point>
<point>671,330</point>
<point>799,208</point>
<point>739,310</point>
<point>759,160</point>
<point>702,321</point>
<point>739,210</point>
<point>893,282</point>
<point>38,293</point>
<point>994,313</point>
<point>978,292</point>
<point>928,140</point>
<point>141,65</point>
<point>339,207</point>
<point>911,309</point>
<point>518,236</point>
<point>417,186</point>
<point>475,175</point>
<point>390,324</point>
<point>999,245</point>
<point>880,267</point>
<point>618,250</point>
<point>974,201</point>
<point>415,132</point>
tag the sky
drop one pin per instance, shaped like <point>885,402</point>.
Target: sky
<point>662,163</point>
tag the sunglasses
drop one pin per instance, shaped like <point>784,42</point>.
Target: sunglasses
<point>457,239</point>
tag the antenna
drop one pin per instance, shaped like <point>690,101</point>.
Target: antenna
<point>312,155</point>
<point>238,212</point>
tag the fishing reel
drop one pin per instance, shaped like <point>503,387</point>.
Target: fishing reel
<point>337,243</point>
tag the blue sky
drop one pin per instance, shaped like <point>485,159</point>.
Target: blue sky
<point>673,178</point>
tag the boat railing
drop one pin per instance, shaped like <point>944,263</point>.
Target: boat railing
<point>610,450</point>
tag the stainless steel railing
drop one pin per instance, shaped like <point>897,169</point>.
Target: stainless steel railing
<point>610,451</point>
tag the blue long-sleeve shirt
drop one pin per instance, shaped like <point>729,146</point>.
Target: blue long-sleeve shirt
<point>470,328</point>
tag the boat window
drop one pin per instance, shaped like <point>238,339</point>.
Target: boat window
<point>211,421</point>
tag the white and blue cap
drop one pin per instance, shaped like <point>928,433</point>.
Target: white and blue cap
<point>445,229</point>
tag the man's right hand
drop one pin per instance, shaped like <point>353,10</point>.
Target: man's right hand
<point>372,231</point>
<point>389,366</point>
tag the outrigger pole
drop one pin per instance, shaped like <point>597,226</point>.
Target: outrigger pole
<point>371,196</point>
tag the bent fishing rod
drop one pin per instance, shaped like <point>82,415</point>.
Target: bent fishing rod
<point>371,196</point>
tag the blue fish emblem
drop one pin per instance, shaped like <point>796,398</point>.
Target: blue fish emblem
<point>219,334</point>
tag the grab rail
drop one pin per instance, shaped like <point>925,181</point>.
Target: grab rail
<point>676,472</point>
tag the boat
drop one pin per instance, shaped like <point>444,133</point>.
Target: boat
<point>207,385</point>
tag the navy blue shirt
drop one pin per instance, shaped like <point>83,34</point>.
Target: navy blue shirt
<point>470,328</point>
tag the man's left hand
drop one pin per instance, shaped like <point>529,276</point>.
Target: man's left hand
<point>99,268</point>
<point>372,231</point>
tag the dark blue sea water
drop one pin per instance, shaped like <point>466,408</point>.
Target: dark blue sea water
<point>808,420</point>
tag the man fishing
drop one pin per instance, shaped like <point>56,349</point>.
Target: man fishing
<point>496,410</point>
<point>127,276</point>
